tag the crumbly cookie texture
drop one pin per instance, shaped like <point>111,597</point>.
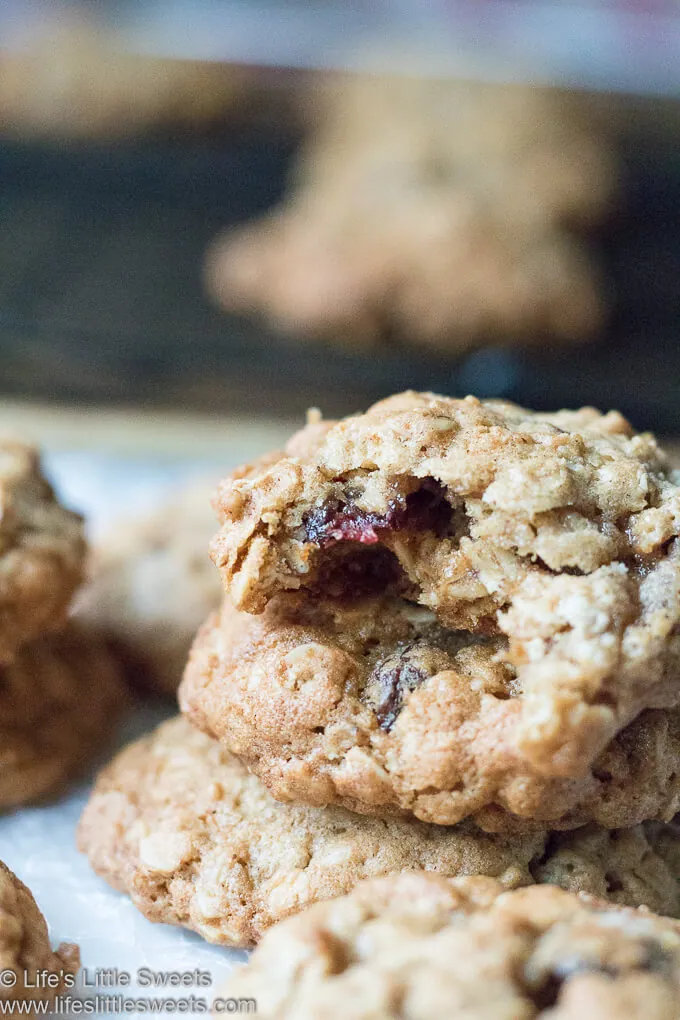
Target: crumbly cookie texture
<point>434,214</point>
<point>634,867</point>
<point>376,706</point>
<point>59,703</point>
<point>153,584</point>
<point>555,534</point>
<point>25,946</point>
<point>178,824</point>
<point>430,948</point>
<point>42,550</point>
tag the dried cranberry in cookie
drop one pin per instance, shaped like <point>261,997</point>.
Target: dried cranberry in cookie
<point>555,532</point>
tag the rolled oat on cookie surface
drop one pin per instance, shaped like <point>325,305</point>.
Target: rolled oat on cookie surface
<point>430,948</point>
<point>373,705</point>
<point>181,826</point>
<point>548,542</point>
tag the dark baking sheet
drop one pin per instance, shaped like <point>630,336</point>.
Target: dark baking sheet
<point>101,299</point>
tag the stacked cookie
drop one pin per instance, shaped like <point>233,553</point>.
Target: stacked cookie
<point>450,643</point>
<point>60,691</point>
<point>427,948</point>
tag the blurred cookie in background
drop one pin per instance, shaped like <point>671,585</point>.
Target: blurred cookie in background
<point>42,550</point>
<point>152,585</point>
<point>431,213</point>
<point>60,701</point>
<point>75,79</point>
<point>33,973</point>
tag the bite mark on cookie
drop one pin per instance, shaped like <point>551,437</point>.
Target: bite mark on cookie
<point>426,509</point>
<point>353,571</point>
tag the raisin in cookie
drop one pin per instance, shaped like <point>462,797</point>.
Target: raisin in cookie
<point>25,946</point>
<point>374,705</point>
<point>59,702</point>
<point>429,948</point>
<point>432,214</point>
<point>153,584</point>
<point>42,550</point>
<point>555,534</point>
<point>181,826</point>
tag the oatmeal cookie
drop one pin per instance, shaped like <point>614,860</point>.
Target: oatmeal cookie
<point>181,826</point>
<point>42,550</point>
<point>152,586</point>
<point>25,946</point>
<point>430,948</point>
<point>59,702</point>
<point>432,213</point>
<point>554,535</point>
<point>374,705</point>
